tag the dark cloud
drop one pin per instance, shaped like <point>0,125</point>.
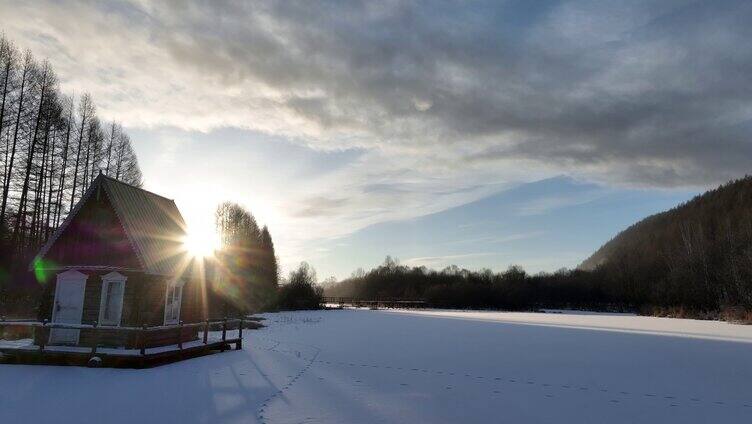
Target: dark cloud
<point>656,93</point>
<point>661,92</point>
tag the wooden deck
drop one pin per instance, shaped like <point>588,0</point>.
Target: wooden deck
<point>218,336</point>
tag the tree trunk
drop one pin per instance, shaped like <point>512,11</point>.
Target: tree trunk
<point>63,167</point>
<point>6,183</point>
<point>78,152</point>
<point>50,182</point>
<point>109,148</point>
<point>29,160</point>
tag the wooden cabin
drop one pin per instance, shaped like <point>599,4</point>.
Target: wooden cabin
<point>118,262</point>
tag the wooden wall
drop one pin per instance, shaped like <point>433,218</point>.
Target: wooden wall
<point>143,304</point>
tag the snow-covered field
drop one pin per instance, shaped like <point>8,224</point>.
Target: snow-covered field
<point>359,366</point>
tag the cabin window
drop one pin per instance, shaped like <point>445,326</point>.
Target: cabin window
<point>111,302</point>
<point>173,300</point>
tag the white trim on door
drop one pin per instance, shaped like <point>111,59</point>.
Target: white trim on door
<point>71,308</point>
<point>173,301</point>
<point>111,299</point>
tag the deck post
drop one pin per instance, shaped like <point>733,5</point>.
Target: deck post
<point>142,333</point>
<point>42,336</point>
<point>206,331</point>
<point>180,338</point>
<point>142,342</point>
<point>239,344</point>
<point>224,333</point>
<point>95,336</point>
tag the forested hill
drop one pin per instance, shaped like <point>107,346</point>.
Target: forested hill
<point>710,218</point>
<point>696,256</point>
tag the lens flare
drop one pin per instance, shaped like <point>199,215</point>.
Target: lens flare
<point>201,244</point>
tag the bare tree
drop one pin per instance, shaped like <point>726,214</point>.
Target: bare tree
<point>46,81</point>
<point>85,112</point>
<point>7,65</point>
<point>26,69</point>
<point>112,140</point>
<point>64,165</point>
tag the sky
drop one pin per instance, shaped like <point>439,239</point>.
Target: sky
<point>477,133</point>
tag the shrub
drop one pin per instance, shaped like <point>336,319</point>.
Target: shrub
<point>300,291</point>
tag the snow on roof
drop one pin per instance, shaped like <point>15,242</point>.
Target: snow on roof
<point>152,223</point>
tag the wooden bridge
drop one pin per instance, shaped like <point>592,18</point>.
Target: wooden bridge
<point>373,303</point>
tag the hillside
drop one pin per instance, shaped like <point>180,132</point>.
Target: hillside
<point>713,211</point>
<point>697,255</point>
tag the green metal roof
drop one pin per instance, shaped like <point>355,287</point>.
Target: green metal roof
<point>151,222</point>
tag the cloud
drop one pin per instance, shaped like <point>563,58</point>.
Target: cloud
<point>543,205</point>
<point>650,94</point>
<point>434,261</point>
<point>499,239</point>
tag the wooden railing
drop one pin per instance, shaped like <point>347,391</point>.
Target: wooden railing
<point>42,333</point>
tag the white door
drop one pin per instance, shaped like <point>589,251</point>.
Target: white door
<point>68,306</point>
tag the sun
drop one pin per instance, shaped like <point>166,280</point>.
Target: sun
<point>201,244</point>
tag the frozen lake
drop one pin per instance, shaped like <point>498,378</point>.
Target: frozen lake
<point>359,366</point>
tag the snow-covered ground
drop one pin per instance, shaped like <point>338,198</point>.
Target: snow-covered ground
<point>360,366</point>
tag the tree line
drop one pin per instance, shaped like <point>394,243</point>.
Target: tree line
<point>455,287</point>
<point>692,261</point>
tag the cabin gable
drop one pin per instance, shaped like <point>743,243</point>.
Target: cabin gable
<point>93,237</point>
